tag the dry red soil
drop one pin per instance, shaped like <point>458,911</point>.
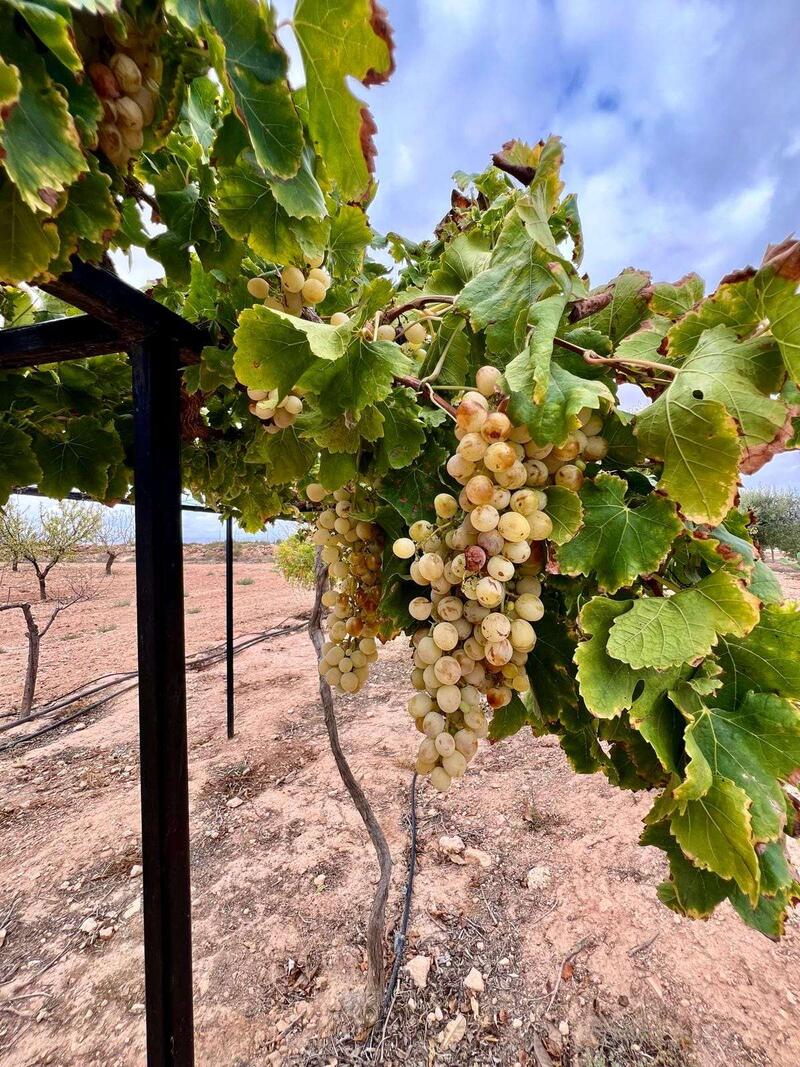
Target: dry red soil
<point>279,953</point>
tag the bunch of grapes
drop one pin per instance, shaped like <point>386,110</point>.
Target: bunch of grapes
<point>352,550</point>
<point>125,71</point>
<point>298,290</point>
<point>481,561</point>
<point>275,413</point>
<point>412,336</point>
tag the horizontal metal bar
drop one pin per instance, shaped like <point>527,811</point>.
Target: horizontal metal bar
<point>59,341</point>
<point>31,490</point>
<point>111,300</point>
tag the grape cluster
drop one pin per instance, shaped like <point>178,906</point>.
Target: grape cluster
<point>298,290</point>
<point>482,560</point>
<point>352,550</point>
<point>125,70</point>
<point>413,336</point>
<point>275,413</point>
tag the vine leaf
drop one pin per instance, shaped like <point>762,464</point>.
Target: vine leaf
<point>690,891</point>
<point>776,285</point>
<point>252,66</point>
<point>779,891</point>
<point>404,429</point>
<point>341,39</point>
<point>741,375</point>
<point>411,490</point>
<point>78,458</point>
<point>767,659</point>
<point>27,242</point>
<point>464,257</point>
<point>735,304</point>
<point>753,745</point>
<point>18,464</point>
<point>610,687</point>
<point>274,350</point>
<point>499,298</point>
<point>628,307</point>
<point>557,416</point>
<point>698,442</point>
<point>40,144</point>
<point>336,469</point>
<point>715,833</point>
<point>10,85</point>
<point>667,631</point>
<point>509,720</point>
<point>674,299</point>
<point>349,238</point>
<point>362,376</point>
<point>529,372</point>
<point>617,542</point>
<point>88,221</point>
<point>286,456</point>
<point>565,511</point>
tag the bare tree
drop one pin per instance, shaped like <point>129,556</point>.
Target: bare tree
<point>115,533</point>
<point>80,587</point>
<point>59,535</point>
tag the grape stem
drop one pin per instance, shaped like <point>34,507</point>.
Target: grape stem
<point>377,918</point>
<point>592,357</point>
<point>417,302</point>
<point>424,387</point>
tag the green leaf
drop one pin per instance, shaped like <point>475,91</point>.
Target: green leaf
<point>734,304</point>
<point>78,457</point>
<point>610,687</point>
<point>667,631</point>
<point>403,430</point>
<point>252,66</point>
<point>464,257</point>
<point>361,377</point>
<point>275,350</point>
<point>10,85</point>
<point>341,39</point>
<point>500,298</point>
<point>341,433</point>
<point>779,891</point>
<point>287,457</point>
<point>202,109</point>
<point>776,286</point>
<point>336,469</point>
<point>714,832</point>
<point>300,196</point>
<point>674,300</point>
<point>529,372</point>
<point>509,720</point>
<point>565,511</point>
<point>691,891</point>
<point>767,659</point>
<point>349,239</point>
<point>699,444</point>
<point>88,221</point>
<point>27,242</point>
<point>628,307</point>
<point>754,745</point>
<point>741,375</point>
<point>248,209</point>
<point>18,464</point>
<point>618,542</point>
<point>557,416</point>
<point>411,490</point>
<point>40,145</point>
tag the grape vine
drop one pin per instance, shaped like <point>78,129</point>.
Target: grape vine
<point>586,572</point>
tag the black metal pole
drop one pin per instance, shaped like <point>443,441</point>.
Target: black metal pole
<point>229,619</point>
<point>162,706</point>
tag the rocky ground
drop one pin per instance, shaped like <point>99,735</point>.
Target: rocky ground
<point>535,935</point>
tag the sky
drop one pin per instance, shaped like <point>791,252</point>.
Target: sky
<point>681,121</point>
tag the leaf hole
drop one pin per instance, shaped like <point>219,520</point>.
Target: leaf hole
<point>697,394</point>
<point>638,689</point>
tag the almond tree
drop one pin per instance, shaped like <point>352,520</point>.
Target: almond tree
<point>56,538</point>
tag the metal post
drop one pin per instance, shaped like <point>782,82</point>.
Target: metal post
<point>229,619</point>
<point>162,706</point>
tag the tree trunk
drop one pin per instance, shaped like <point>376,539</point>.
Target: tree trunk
<point>110,561</point>
<point>15,565</point>
<point>34,641</point>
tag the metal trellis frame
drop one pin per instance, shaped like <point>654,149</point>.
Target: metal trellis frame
<point>119,318</point>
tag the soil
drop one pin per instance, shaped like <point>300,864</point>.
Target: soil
<point>586,953</point>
